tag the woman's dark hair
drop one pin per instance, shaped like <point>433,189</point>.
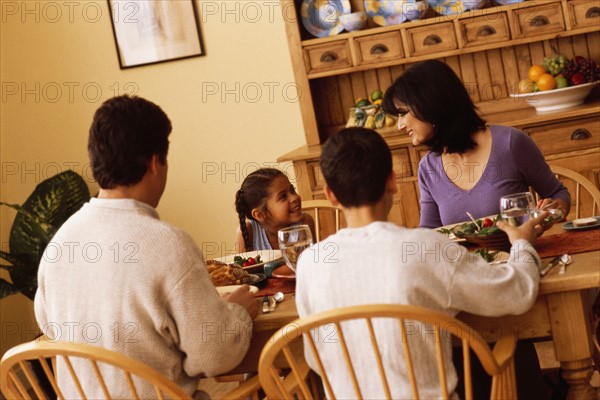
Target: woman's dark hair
<point>435,94</point>
<point>253,194</point>
<point>356,163</point>
<point>125,133</point>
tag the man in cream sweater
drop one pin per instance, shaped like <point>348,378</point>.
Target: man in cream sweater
<point>374,261</point>
<point>117,277</point>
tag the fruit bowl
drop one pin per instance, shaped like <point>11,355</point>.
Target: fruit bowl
<point>556,99</point>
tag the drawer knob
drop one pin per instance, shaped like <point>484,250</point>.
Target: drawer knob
<point>379,49</point>
<point>593,12</point>
<point>540,20</point>
<point>432,40</point>
<point>486,31</point>
<point>580,134</point>
<point>329,56</point>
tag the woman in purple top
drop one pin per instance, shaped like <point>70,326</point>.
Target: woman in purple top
<point>470,164</point>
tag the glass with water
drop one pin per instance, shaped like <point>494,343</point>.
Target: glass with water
<point>293,241</point>
<point>516,208</point>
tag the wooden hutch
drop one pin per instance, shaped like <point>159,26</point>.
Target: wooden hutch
<point>491,49</point>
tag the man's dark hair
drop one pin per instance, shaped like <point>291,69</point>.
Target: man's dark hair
<point>356,163</point>
<point>125,133</point>
<point>435,94</point>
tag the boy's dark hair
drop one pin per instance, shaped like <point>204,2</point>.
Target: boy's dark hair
<point>435,94</point>
<point>125,133</point>
<point>253,194</point>
<point>356,163</point>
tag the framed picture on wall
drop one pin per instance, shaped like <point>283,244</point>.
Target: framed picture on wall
<point>149,32</point>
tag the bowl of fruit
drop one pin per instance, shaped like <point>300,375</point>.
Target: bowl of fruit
<point>558,83</point>
<point>483,232</point>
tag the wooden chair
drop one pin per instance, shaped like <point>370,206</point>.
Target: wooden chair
<point>499,363</point>
<point>19,381</point>
<point>327,217</point>
<point>585,198</point>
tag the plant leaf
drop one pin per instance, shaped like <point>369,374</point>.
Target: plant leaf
<point>52,202</point>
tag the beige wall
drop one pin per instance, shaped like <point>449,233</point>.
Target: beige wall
<point>215,140</point>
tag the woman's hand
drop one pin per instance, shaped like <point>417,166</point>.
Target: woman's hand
<point>558,204</point>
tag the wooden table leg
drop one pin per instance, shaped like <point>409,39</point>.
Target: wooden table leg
<point>578,374</point>
<point>570,317</point>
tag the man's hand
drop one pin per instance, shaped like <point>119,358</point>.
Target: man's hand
<point>529,231</point>
<point>244,298</point>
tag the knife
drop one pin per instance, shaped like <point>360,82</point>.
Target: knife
<point>551,264</point>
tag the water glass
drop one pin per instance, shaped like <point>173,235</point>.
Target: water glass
<point>293,241</point>
<point>516,208</point>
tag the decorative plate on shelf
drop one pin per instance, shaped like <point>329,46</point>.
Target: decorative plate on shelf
<point>393,12</point>
<point>556,99</point>
<point>321,18</point>
<point>449,7</point>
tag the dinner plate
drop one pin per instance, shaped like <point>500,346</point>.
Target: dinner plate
<point>232,288</point>
<point>570,227</point>
<point>321,18</point>
<point>386,12</point>
<point>283,272</point>
<point>265,257</point>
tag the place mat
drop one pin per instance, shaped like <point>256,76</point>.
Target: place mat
<point>276,285</point>
<point>568,242</point>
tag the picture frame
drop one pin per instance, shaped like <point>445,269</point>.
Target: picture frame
<point>151,32</point>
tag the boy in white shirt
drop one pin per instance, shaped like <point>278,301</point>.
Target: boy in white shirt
<point>375,261</point>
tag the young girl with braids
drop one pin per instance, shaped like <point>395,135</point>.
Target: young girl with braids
<point>267,202</point>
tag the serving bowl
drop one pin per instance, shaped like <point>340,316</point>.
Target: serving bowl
<point>354,21</point>
<point>492,239</point>
<point>556,99</point>
<point>393,12</point>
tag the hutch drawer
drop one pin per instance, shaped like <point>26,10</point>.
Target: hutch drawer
<point>538,19</point>
<point>485,29</point>
<point>584,13</point>
<point>328,56</point>
<point>567,136</point>
<point>381,47</point>
<point>431,39</point>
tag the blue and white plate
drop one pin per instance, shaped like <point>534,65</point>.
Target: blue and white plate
<point>321,18</point>
<point>506,2</point>
<point>448,7</point>
<point>393,12</point>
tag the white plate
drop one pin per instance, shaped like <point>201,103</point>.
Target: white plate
<point>265,257</point>
<point>232,288</point>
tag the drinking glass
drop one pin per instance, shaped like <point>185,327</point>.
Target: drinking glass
<point>293,241</point>
<point>516,208</point>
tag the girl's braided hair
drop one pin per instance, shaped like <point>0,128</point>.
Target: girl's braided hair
<point>253,194</point>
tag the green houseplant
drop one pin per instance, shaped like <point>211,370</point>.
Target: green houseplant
<point>52,202</point>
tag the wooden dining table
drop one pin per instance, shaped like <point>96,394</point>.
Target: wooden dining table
<point>562,313</point>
